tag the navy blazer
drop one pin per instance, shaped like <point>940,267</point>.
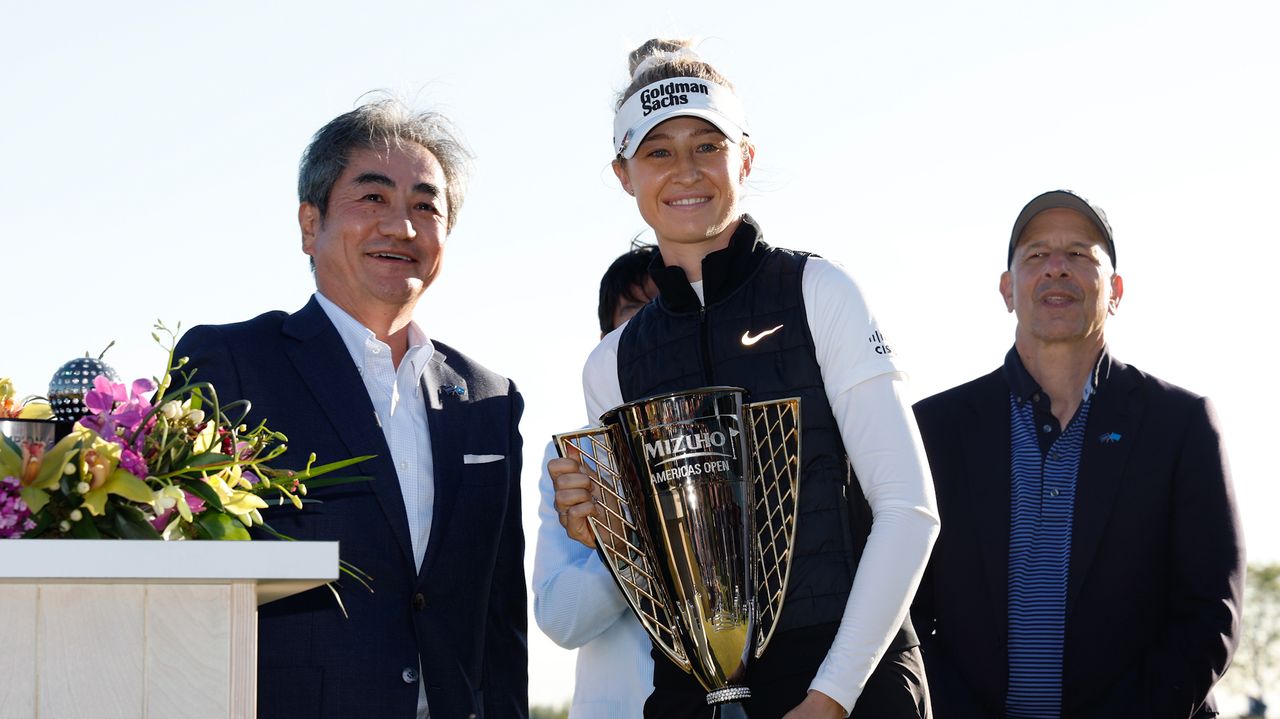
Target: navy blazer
<point>464,613</point>
<point>1155,577</point>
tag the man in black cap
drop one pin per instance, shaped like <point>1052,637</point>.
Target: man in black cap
<point>1090,562</point>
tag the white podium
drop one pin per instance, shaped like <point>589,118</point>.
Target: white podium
<point>130,629</point>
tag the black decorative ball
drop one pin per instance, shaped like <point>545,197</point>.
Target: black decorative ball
<point>71,382</point>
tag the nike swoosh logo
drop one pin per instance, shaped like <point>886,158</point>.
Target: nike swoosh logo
<point>748,340</point>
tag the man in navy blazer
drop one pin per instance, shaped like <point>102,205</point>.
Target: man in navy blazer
<point>440,630</point>
<point>1090,562</point>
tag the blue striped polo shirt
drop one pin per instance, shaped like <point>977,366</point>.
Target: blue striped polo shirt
<point>1045,463</point>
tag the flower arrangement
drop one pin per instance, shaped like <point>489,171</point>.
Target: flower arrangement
<point>30,408</point>
<point>170,465</point>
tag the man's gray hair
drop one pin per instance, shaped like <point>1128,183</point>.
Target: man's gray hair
<point>382,125</point>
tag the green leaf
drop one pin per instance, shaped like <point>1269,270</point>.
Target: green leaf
<point>10,456</point>
<point>333,588</point>
<point>206,459</point>
<point>212,525</point>
<point>356,573</point>
<point>95,500</point>
<point>35,499</point>
<point>129,523</point>
<point>201,489</point>
<point>85,529</point>
<point>124,484</point>
<point>326,468</point>
<point>43,521</point>
<point>331,481</point>
<point>55,459</point>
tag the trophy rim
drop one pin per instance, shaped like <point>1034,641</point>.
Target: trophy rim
<point>667,395</point>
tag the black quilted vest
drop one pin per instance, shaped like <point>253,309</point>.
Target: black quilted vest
<point>675,344</point>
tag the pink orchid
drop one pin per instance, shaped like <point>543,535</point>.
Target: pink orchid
<point>117,416</point>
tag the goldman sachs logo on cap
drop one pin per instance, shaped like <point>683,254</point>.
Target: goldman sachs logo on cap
<point>669,95</point>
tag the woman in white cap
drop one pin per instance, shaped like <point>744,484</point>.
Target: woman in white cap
<point>733,310</point>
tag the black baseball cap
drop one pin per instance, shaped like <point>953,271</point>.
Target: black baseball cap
<point>1067,199</point>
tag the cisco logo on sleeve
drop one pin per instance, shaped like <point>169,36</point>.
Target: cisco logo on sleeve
<point>881,347</point>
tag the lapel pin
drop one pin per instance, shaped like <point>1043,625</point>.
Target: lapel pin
<point>453,389</point>
<point>1109,437</point>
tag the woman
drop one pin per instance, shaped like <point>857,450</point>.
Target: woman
<point>735,311</point>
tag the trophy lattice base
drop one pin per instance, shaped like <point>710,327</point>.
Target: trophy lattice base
<point>728,694</point>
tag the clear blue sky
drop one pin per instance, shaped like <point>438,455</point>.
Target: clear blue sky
<point>150,152</point>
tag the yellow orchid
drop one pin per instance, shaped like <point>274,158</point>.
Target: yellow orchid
<point>7,393</point>
<point>35,410</point>
<point>98,461</point>
<point>180,411</point>
<point>32,457</point>
<point>119,483</point>
<point>21,459</point>
<point>244,505</point>
<point>61,459</point>
<point>10,407</point>
<point>173,531</point>
<point>97,466</point>
<point>205,437</point>
<point>6,398</point>
<point>171,496</point>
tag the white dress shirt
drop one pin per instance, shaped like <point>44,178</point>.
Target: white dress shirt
<point>401,412</point>
<point>866,392</point>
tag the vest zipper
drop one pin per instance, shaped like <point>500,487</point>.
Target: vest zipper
<point>705,341</point>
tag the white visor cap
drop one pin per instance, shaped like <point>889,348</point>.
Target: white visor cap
<point>676,97</point>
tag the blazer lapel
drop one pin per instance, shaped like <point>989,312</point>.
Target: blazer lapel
<point>987,454</point>
<point>447,397</point>
<point>1109,437</point>
<point>324,363</point>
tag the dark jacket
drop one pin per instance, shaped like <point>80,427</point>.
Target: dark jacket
<point>464,612</point>
<point>1156,567</point>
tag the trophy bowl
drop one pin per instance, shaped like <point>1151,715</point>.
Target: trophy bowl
<point>698,493</point>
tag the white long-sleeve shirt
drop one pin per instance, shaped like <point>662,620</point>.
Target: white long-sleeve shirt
<point>866,391</point>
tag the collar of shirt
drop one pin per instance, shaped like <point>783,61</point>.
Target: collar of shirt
<point>362,341</point>
<point>1025,387</point>
<point>723,271</point>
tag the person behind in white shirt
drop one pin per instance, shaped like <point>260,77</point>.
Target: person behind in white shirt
<point>733,311</point>
<point>575,601</point>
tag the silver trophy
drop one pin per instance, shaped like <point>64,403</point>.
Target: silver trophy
<point>699,495</point>
<point>35,436</point>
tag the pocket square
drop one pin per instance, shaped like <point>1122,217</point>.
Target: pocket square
<point>481,458</point>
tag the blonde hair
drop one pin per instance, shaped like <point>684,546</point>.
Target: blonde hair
<point>662,59</point>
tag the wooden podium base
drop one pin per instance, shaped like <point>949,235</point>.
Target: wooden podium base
<point>131,629</point>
